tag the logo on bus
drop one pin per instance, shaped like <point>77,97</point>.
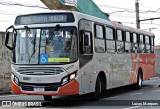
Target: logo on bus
<point>27,78</point>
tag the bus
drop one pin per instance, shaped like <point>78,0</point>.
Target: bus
<point>71,53</point>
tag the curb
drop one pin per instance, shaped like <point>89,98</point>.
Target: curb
<point>5,92</point>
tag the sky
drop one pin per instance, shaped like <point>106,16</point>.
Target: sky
<point>119,10</point>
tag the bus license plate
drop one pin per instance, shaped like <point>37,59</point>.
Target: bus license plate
<point>39,89</point>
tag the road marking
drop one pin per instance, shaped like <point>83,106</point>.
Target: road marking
<point>132,107</point>
<point>156,91</point>
<point>114,97</point>
<point>36,108</point>
<point>155,86</point>
<point>8,96</point>
<point>144,87</point>
<point>136,94</point>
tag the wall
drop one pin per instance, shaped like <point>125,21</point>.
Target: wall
<point>5,71</point>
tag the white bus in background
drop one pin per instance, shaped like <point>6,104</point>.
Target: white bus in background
<point>67,53</point>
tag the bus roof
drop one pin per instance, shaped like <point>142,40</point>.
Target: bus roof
<point>115,24</point>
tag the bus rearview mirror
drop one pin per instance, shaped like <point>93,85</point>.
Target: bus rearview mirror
<point>7,38</point>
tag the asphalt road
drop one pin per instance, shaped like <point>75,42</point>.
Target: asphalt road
<point>120,98</point>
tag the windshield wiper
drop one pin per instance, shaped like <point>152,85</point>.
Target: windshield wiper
<point>28,31</point>
<point>33,41</point>
<point>34,48</point>
<point>50,38</point>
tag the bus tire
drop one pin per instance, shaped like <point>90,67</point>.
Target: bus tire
<point>98,89</point>
<point>139,80</point>
<point>47,97</point>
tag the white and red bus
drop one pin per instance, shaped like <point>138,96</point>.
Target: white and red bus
<point>67,53</point>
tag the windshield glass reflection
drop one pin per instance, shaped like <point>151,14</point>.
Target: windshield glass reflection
<point>46,46</point>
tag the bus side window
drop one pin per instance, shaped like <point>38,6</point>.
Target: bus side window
<point>152,44</point>
<point>135,44</point>
<point>110,40</point>
<point>128,46</point>
<point>141,44</point>
<point>99,39</point>
<point>86,42</point>
<point>119,41</point>
<point>147,45</point>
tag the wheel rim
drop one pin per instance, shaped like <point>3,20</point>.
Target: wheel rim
<point>140,81</point>
<point>100,87</point>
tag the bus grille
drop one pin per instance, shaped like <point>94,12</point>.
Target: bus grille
<point>40,70</point>
<point>27,87</point>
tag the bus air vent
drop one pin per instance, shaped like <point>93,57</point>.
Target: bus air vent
<point>40,70</point>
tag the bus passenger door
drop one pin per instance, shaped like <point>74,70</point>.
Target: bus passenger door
<point>84,59</point>
<point>85,54</point>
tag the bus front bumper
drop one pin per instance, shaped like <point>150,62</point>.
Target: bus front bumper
<point>71,88</point>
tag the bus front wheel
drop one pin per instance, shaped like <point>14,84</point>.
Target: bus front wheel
<point>47,97</point>
<point>98,89</point>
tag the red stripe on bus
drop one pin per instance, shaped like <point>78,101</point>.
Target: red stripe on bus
<point>68,89</point>
<point>146,62</point>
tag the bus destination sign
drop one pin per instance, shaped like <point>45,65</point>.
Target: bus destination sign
<point>44,18</point>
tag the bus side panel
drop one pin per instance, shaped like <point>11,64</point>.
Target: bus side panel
<point>142,64</point>
<point>150,66</point>
<point>145,62</point>
<point>111,61</point>
<point>127,68</point>
<point>133,76</point>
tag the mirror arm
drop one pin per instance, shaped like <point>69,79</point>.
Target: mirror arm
<point>9,28</point>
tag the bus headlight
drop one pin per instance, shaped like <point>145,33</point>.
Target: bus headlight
<point>15,79</point>
<point>72,76</point>
<point>12,77</point>
<point>65,80</point>
<point>69,78</point>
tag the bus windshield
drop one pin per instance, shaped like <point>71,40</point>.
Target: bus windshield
<point>46,45</point>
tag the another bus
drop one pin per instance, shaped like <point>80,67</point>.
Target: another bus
<point>70,53</point>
